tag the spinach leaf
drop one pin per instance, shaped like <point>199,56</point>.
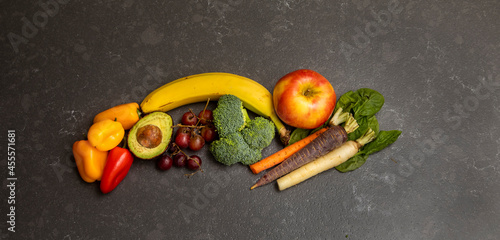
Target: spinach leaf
<point>363,104</point>
<point>384,139</point>
<point>370,102</point>
<point>373,124</point>
<point>362,127</point>
<point>298,134</point>
<point>353,163</point>
<point>347,101</point>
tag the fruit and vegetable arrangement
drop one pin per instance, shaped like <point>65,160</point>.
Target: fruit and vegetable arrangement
<point>327,133</point>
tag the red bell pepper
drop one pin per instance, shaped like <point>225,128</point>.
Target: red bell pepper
<point>117,166</point>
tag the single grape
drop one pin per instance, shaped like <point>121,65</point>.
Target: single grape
<point>208,132</point>
<point>180,160</point>
<point>165,162</point>
<point>189,118</point>
<point>194,162</point>
<point>206,116</point>
<point>196,142</point>
<point>172,147</point>
<point>182,137</point>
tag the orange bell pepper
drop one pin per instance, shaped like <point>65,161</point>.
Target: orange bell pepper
<point>89,161</point>
<point>126,114</point>
<point>106,134</point>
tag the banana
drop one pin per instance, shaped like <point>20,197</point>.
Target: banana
<point>200,87</point>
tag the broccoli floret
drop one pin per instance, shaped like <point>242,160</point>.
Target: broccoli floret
<point>241,139</point>
<point>229,115</point>
<point>233,149</point>
<point>258,133</point>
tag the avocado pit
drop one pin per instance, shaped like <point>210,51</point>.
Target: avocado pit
<point>149,136</point>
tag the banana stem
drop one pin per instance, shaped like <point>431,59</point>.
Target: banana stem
<point>284,135</point>
<point>283,132</point>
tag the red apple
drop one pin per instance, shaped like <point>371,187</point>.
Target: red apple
<point>304,99</point>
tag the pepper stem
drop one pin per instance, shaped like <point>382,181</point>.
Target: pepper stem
<point>124,143</point>
<point>139,113</point>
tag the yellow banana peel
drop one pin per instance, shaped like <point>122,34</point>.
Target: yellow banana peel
<point>200,87</point>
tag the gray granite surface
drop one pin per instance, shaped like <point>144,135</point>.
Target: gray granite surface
<point>436,62</point>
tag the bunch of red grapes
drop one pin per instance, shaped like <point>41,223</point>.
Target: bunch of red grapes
<point>193,132</point>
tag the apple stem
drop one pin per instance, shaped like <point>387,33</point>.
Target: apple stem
<point>307,93</point>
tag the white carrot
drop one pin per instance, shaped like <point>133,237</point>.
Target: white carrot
<point>325,162</point>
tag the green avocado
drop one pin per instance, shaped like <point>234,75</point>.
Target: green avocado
<point>150,136</point>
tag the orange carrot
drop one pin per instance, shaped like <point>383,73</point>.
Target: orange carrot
<point>284,153</point>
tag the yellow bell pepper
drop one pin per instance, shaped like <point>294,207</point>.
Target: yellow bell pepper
<point>89,161</point>
<point>106,134</point>
<point>126,114</point>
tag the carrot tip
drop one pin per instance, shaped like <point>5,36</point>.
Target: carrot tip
<point>254,186</point>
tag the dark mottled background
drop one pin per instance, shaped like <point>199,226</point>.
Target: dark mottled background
<point>436,63</point>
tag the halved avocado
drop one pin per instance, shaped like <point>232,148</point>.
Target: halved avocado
<point>150,136</point>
